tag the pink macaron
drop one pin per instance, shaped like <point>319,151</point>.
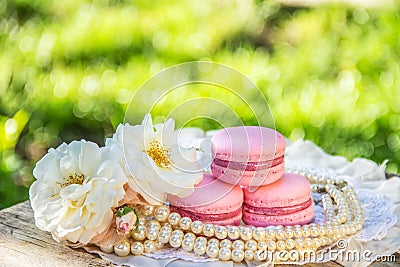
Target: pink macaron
<point>248,155</point>
<point>286,202</point>
<point>213,201</point>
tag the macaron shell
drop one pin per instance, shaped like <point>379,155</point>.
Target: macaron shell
<point>248,178</point>
<point>204,218</point>
<point>233,221</point>
<point>211,196</point>
<point>248,144</point>
<point>291,189</point>
<point>300,217</point>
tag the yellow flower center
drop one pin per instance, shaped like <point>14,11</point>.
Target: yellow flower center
<point>72,179</point>
<point>159,154</point>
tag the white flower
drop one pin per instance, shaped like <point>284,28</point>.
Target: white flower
<point>76,188</point>
<point>115,146</point>
<point>158,165</point>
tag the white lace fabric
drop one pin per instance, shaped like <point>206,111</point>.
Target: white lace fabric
<point>380,199</point>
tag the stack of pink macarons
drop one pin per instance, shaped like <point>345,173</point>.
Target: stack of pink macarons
<point>248,183</point>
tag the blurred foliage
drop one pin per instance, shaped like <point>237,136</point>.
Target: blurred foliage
<point>69,68</point>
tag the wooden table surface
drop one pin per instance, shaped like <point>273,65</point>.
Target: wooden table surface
<point>23,244</point>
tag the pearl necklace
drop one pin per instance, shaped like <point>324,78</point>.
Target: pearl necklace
<point>158,227</point>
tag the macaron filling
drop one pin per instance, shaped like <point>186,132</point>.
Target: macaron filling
<point>273,211</point>
<point>249,166</point>
<point>208,217</point>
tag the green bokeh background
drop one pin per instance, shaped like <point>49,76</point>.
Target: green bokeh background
<point>68,69</point>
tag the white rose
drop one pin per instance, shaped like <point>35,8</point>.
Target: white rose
<point>157,163</point>
<point>76,187</point>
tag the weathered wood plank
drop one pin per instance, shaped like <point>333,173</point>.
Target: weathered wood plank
<point>23,244</point>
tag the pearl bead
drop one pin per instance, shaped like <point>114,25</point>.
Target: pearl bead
<point>280,234</point>
<point>316,243</point>
<point>306,231</point>
<point>161,213</point>
<point>178,233</point>
<point>190,236</point>
<point>290,244</point>
<point>322,230</point>
<point>199,248</point>
<point>208,229</point>
<point>323,241</point>
<point>289,232</point>
<point>122,249</point>
<point>158,244</point>
<point>175,241</point>
<point>142,221</point>
<point>147,210</point>
<point>226,243</point>
<point>314,231</point>
<point>329,231</point>
<point>212,251</point>
<point>336,230</point>
<point>233,232</point>
<point>201,239</point>
<point>174,218</point>
<point>149,246</point>
<point>153,225</point>
<point>262,245</point>
<point>280,245</point>
<point>166,228</point>
<point>250,245</point>
<point>107,249</point>
<point>152,234</point>
<point>221,232</point>
<point>187,244</point>
<point>245,233</point>
<point>213,242</point>
<point>197,227</point>
<point>314,187</point>
<point>259,233</point>
<point>237,255</point>
<point>185,223</point>
<point>238,244</point>
<point>249,255</point>
<point>260,255</point>
<point>271,245</point>
<point>270,234</point>
<point>347,227</point>
<point>342,229</point>
<point>137,248</point>
<point>139,233</point>
<point>224,254</point>
<point>308,242</point>
<point>297,231</point>
<point>163,236</point>
<point>299,244</point>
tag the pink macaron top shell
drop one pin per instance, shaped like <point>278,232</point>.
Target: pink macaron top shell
<point>211,196</point>
<point>290,190</point>
<point>248,144</point>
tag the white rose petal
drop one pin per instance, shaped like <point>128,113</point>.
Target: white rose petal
<point>155,162</point>
<point>76,187</point>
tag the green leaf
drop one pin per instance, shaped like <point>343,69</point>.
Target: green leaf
<point>124,210</point>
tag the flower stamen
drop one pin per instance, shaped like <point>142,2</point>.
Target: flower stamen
<point>73,179</point>
<point>160,155</point>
